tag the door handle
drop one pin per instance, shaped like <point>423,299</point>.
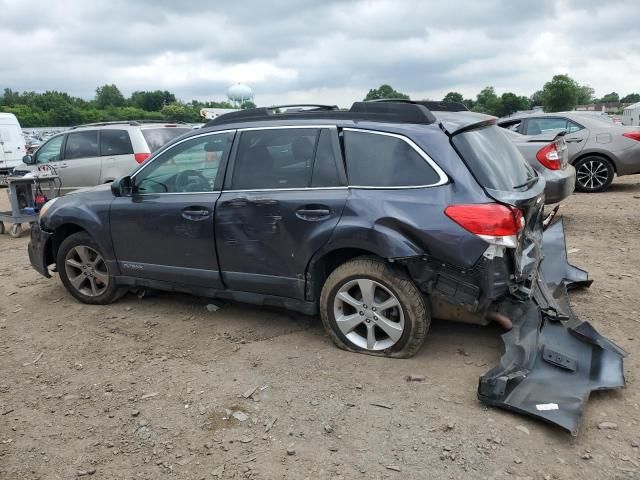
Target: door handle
<point>195,213</point>
<point>313,213</point>
<point>62,165</point>
<point>573,140</point>
<point>264,201</point>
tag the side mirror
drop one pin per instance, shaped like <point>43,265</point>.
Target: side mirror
<point>122,187</point>
<point>28,160</point>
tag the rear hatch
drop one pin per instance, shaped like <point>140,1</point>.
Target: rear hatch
<point>507,178</point>
<point>158,136</point>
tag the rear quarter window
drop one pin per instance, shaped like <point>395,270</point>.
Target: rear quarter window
<point>156,138</point>
<point>492,158</point>
<point>377,160</point>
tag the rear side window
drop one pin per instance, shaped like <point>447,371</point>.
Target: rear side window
<point>158,137</point>
<point>115,142</point>
<point>376,160</point>
<point>81,145</point>
<point>285,158</point>
<point>492,158</point>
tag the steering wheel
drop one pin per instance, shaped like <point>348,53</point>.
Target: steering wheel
<point>192,181</point>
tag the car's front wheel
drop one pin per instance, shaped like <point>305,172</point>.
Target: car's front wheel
<point>369,306</point>
<point>84,272</point>
<point>593,174</point>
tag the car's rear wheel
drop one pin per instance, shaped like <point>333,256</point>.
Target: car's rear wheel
<point>593,174</point>
<point>84,272</point>
<point>369,306</point>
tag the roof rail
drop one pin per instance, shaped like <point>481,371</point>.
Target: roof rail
<point>433,105</point>
<point>126,122</point>
<point>391,112</point>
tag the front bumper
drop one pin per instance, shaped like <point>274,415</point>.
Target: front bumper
<point>552,360</point>
<point>559,184</point>
<point>39,249</point>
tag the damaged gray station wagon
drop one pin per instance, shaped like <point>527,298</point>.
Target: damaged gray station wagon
<point>379,218</point>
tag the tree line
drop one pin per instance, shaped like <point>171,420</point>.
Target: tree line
<point>561,93</point>
<point>59,109</point>
<point>53,108</point>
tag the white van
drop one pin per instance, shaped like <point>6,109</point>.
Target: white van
<point>631,115</point>
<point>12,147</point>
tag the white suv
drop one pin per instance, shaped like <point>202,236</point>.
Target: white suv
<point>97,153</point>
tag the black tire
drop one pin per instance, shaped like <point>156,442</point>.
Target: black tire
<point>111,291</point>
<point>416,316</point>
<point>593,174</point>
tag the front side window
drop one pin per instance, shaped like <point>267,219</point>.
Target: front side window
<point>375,160</point>
<point>50,151</point>
<point>81,145</point>
<point>190,166</point>
<point>115,142</point>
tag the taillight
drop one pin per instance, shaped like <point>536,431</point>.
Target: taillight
<point>141,157</point>
<point>549,157</point>
<point>497,224</point>
<point>632,135</point>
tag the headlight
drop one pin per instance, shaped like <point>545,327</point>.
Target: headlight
<point>46,207</point>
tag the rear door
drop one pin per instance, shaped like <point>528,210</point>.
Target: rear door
<point>284,194</point>
<point>576,137</point>
<point>81,163</point>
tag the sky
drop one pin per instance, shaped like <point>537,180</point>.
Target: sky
<point>307,51</point>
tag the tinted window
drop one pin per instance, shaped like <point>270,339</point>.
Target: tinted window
<point>115,142</point>
<point>325,166</point>
<point>81,145</point>
<point>536,126</point>
<point>492,158</point>
<point>191,166</point>
<point>50,151</point>
<point>375,160</point>
<point>158,137</point>
<point>574,127</point>
<point>277,158</point>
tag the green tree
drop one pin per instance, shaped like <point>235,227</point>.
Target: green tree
<point>470,103</point>
<point>109,96</point>
<point>488,102</point>
<point>511,103</point>
<point>152,101</point>
<point>585,95</point>
<point>560,94</point>
<point>385,91</point>
<point>248,104</point>
<point>535,99</point>
<point>612,97</point>
<point>453,97</point>
<point>631,98</point>
<point>179,112</point>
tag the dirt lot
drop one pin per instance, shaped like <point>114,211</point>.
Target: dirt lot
<point>145,388</point>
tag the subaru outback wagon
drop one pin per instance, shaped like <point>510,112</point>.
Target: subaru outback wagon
<point>378,217</point>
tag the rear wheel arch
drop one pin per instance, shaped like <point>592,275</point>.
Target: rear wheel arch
<point>321,267</point>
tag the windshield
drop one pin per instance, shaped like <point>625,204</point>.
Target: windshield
<point>493,159</point>
<point>157,137</point>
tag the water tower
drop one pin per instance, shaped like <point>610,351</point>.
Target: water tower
<point>239,93</point>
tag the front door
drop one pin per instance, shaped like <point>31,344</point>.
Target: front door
<point>281,203</point>
<point>165,229</point>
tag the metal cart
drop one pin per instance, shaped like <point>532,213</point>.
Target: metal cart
<point>21,199</point>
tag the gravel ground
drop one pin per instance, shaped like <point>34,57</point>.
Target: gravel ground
<point>162,387</point>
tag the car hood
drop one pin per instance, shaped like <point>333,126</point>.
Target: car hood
<point>97,188</point>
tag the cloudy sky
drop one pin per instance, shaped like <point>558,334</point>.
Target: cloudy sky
<point>326,51</point>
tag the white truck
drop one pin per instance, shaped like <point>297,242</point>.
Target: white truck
<point>12,146</point>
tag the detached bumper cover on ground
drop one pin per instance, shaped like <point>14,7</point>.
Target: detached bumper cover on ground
<point>552,360</point>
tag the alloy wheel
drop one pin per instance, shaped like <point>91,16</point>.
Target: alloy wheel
<point>86,270</point>
<point>368,314</point>
<point>592,174</point>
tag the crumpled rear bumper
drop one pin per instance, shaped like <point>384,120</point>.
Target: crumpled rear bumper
<point>552,360</point>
